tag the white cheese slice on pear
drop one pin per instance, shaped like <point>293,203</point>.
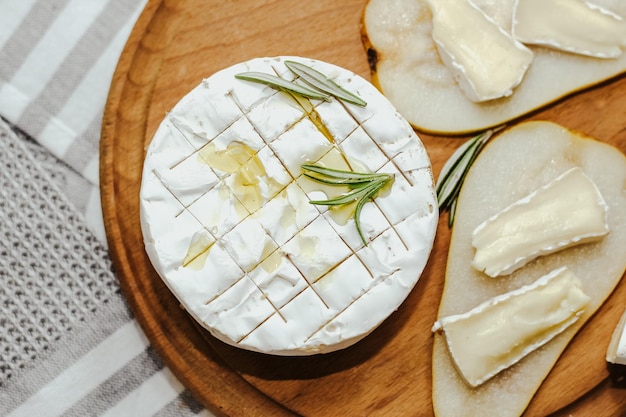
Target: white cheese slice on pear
<point>513,164</point>
<point>487,63</point>
<point>228,226</point>
<point>567,211</point>
<point>616,352</point>
<point>501,331</point>
<point>407,68</point>
<point>575,26</point>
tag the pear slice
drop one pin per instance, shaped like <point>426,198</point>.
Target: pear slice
<point>512,165</point>
<point>408,69</point>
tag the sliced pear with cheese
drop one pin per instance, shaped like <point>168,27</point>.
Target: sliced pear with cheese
<point>571,25</point>
<point>487,63</point>
<point>408,69</point>
<point>513,165</point>
<point>501,331</point>
<point>567,211</point>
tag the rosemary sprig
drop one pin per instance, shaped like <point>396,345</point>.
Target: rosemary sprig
<point>318,85</point>
<point>282,84</point>
<point>363,186</point>
<point>338,177</point>
<point>321,82</point>
<point>454,171</point>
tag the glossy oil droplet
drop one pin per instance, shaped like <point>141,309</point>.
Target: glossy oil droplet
<point>198,252</point>
<point>244,165</point>
<point>271,257</point>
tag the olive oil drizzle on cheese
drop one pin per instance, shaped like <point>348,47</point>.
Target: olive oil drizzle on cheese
<point>271,258</point>
<point>243,163</point>
<point>311,113</point>
<point>319,82</point>
<point>198,252</point>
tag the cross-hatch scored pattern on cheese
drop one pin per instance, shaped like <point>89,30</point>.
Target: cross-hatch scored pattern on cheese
<point>322,213</point>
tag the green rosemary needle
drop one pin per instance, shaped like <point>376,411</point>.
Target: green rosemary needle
<point>339,177</point>
<point>319,86</point>
<point>282,84</point>
<point>363,187</point>
<point>321,82</point>
<point>454,171</point>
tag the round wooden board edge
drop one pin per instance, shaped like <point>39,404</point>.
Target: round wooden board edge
<point>225,393</point>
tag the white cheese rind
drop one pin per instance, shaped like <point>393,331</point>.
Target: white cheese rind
<point>570,25</point>
<point>567,211</point>
<point>286,278</point>
<point>487,63</point>
<point>501,331</point>
<point>620,352</point>
<point>616,352</point>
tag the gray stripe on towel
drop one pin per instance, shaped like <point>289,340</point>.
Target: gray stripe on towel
<point>52,271</point>
<point>118,386</point>
<point>82,150</point>
<point>32,29</point>
<point>182,406</point>
<point>75,66</point>
<point>81,339</point>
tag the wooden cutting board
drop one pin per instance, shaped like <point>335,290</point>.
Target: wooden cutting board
<point>173,46</point>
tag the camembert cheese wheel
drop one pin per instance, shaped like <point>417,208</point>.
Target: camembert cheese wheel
<point>228,224</point>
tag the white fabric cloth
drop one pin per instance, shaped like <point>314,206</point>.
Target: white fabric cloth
<point>57,60</point>
<point>68,343</point>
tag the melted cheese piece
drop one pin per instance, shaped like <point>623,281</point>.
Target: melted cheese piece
<point>567,211</point>
<point>487,63</point>
<point>570,25</point>
<point>501,331</point>
<point>616,352</point>
<point>228,226</point>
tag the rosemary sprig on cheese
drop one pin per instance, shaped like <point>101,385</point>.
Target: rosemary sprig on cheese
<point>321,82</point>
<point>282,84</point>
<point>454,171</point>
<point>319,86</point>
<point>363,187</point>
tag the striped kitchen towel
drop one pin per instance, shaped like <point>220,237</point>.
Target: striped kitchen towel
<point>57,59</point>
<point>68,343</point>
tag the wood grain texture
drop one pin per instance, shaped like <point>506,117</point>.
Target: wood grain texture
<point>173,46</point>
